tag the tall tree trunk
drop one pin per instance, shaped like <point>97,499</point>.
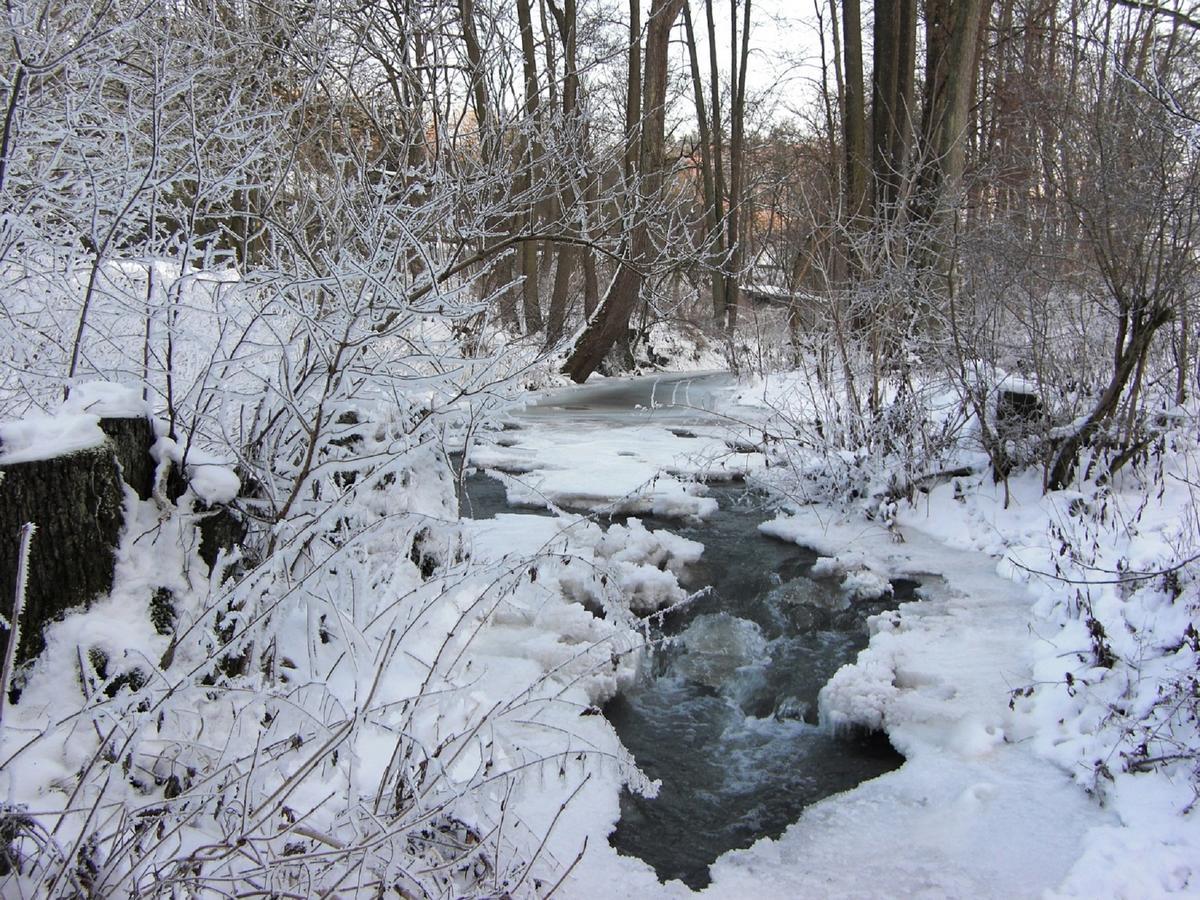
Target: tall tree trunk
<point>501,274</point>
<point>612,319</point>
<point>951,31</point>
<point>858,166</point>
<point>567,254</point>
<point>714,238</point>
<point>633,93</point>
<point>739,54</point>
<point>530,161</point>
<point>718,161</point>
<point>892,93</point>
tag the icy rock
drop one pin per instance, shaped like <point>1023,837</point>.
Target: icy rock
<point>792,709</point>
<point>805,592</point>
<point>717,645</point>
<point>866,585</point>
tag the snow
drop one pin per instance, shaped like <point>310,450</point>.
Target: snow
<point>531,622</point>
<point>497,663</point>
<point>213,482</point>
<point>73,426</point>
<point>653,462</point>
<point>944,825</point>
<point>865,585</point>
<point>38,437</point>
<point>988,802</point>
<point>107,399</point>
<point>644,564</point>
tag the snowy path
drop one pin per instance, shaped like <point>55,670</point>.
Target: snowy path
<point>973,812</point>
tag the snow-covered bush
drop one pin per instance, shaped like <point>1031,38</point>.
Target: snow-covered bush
<point>350,702</point>
<point>340,717</point>
<point>1121,582</point>
<point>825,447</point>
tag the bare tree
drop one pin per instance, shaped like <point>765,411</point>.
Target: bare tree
<point>611,320</point>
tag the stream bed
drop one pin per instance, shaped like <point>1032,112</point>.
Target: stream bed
<point>724,712</point>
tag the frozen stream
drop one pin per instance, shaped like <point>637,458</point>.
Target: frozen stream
<point>725,711</point>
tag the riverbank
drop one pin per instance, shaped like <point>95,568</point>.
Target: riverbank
<point>982,805</point>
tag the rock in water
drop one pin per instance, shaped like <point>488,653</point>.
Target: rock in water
<point>716,646</point>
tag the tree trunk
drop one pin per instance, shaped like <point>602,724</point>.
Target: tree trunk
<point>500,276</point>
<point>858,167</point>
<point>77,503</point>
<point>527,182</point>
<point>718,162</point>
<point>712,201</point>
<point>892,90</point>
<point>633,93</point>
<point>738,59</point>
<point>612,319</point>
<point>1130,355</point>
<point>567,254</point>
<point>951,31</point>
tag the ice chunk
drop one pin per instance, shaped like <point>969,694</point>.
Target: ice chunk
<point>717,645</point>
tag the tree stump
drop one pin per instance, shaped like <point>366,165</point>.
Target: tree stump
<point>76,502</point>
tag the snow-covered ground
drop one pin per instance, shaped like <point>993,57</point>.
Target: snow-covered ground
<point>1014,784</point>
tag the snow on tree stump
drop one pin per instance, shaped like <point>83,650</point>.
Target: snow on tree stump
<point>76,500</point>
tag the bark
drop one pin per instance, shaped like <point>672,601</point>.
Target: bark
<point>77,503</point>
<point>633,92</point>
<point>739,57</point>
<point>1130,355</point>
<point>951,31</point>
<point>858,167</point>
<point>567,255</point>
<point>718,158</point>
<point>531,160</point>
<point>611,321</point>
<point>501,273</point>
<point>712,202</point>
<point>892,93</point>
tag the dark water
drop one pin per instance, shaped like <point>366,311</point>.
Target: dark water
<point>726,713</point>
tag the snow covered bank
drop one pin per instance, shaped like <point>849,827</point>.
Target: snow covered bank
<point>1047,719</point>
<point>389,697</point>
<point>1039,692</point>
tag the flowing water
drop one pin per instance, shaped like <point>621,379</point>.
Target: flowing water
<point>725,711</point>
<point>725,714</point>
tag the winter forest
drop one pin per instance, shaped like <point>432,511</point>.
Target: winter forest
<point>599,448</point>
